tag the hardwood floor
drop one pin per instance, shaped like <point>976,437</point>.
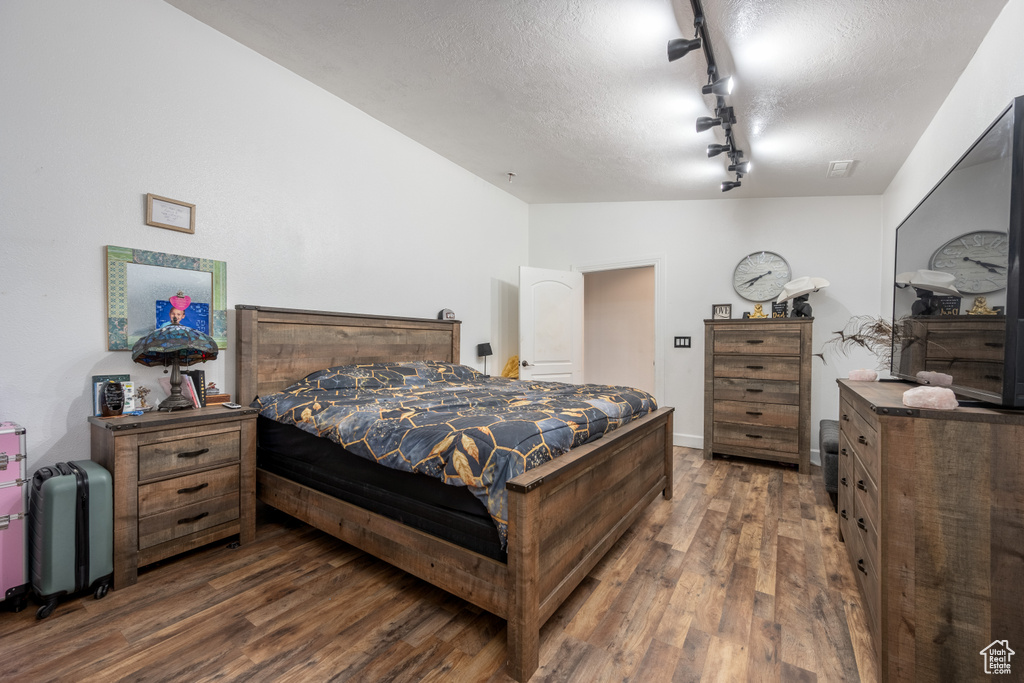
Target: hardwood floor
<point>739,577</point>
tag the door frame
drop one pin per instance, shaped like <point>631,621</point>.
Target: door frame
<point>658,261</point>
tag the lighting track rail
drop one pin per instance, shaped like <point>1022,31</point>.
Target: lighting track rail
<point>717,85</point>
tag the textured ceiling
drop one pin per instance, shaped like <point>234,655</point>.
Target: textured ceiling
<point>577,97</point>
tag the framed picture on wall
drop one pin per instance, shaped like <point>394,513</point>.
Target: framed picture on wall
<point>162,212</point>
<point>721,311</point>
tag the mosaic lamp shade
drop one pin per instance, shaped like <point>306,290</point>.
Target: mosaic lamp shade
<point>174,345</point>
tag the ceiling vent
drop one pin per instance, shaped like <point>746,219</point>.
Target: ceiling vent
<point>840,169</point>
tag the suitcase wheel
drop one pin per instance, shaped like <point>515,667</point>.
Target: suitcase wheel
<point>46,610</point>
<point>101,591</point>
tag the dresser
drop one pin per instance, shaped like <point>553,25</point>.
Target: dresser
<point>757,389</point>
<point>181,480</point>
<point>931,509</point>
<point>968,347</point>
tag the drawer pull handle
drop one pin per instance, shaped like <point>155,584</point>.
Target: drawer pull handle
<point>189,520</point>
<point>861,439</point>
<point>193,489</point>
<point>843,451</point>
<point>860,566</point>
<point>755,391</point>
<point>193,454</point>
<point>994,345</point>
<point>754,436</point>
<point>846,418</point>
<point>755,367</point>
<point>843,481</point>
<point>995,377</point>
<point>861,486</point>
<point>755,341</point>
<point>861,524</point>
<point>842,513</point>
<point>754,412</point>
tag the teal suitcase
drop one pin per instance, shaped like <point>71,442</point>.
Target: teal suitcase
<point>71,532</point>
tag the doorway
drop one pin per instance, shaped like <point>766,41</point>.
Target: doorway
<point>620,327</point>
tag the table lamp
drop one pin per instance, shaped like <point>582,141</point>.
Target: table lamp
<point>484,350</point>
<point>174,345</point>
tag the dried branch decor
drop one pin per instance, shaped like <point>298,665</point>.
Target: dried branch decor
<point>867,332</point>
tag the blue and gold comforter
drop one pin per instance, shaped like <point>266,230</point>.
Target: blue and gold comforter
<point>451,422</point>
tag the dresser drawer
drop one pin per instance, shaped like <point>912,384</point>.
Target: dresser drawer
<point>170,455</point>
<point>968,343</point>
<point>187,490</point>
<point>757,436</point>
<point>983,375</point>
<point>758,367</point>
<point>862,438</point>
<point>866,571</point>
<point>769,414</point>
<point>172,524</point>
<point>761,391</point>
<point>770,342</point>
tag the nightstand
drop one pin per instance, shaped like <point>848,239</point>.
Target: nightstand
<point>181,480</point>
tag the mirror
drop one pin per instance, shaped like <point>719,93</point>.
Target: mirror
<point>137,280</point>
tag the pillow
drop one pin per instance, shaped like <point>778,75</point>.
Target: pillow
<point>384,375</point>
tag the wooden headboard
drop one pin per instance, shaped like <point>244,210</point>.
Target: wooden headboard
<point>276,347</point>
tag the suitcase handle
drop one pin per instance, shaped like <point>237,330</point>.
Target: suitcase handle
<point>189,520</point>
<point>193,489</point>
<point>194,454</point>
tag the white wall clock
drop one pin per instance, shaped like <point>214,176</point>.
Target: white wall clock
<point>977,259</point>
<point>760,276</point>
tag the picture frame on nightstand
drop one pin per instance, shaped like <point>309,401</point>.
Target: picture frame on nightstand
<point>721,312</point>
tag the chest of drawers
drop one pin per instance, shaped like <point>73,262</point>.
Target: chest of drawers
<point>757,389</point>
<point>930,509</point>
<point>181,480</point>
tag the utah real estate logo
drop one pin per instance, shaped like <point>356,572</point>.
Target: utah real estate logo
<point>997,657</point>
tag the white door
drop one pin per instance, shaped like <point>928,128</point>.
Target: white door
<point>550,325</point>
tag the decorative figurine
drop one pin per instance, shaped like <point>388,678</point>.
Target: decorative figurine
<point>798,290</point>
<point>211,388</point>
<point>142,392</point>
<point>758,313</point>
<point>928,285</point>
<point>980,307</point>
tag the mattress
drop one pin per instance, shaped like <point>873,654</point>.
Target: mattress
<point>451,513</point>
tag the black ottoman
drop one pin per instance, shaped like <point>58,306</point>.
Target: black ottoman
<point>828,445</point>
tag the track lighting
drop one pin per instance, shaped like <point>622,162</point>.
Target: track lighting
<point>679,47</point>
<point>721,87</point>
<point>730,184</point>
<point>706,122</point>
<point>715,150</point>
<point>742,167</point>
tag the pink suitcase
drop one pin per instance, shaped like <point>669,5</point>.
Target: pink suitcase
<point>14,584</point>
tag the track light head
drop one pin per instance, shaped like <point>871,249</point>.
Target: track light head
<point>715,150</point>
<point>721,87</point>
<point>730,185</point>
<point>679,47</point>
<point>706,122</point>
<point>742,167</point>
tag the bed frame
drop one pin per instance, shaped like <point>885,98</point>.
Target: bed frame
<point>563,516</point>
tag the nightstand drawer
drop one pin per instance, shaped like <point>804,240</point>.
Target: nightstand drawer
<point>186,520</point>
<point>765,391</point>
<point>166,457</point>
<point>769,414</point>
<point>758,367</point>
<point>190,489</point>
<point>757,436</point>
<point>770,342</point>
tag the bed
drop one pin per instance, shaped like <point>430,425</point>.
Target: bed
<point>563,515</point>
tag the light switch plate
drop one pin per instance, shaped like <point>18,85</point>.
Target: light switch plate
<point>682,342</point>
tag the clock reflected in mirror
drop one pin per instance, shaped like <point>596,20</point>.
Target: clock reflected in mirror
<point>760,276</point>
<point>978,260</point>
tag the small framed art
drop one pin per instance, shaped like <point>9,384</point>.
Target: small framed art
<point>162,212</point>
<point>721,311</point>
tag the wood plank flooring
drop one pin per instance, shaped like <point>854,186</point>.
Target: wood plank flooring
<point>739,577</point>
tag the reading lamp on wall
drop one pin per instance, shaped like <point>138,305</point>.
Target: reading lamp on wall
<point>484,350</point>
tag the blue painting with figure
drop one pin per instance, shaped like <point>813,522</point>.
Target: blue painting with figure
<point>196,315</point>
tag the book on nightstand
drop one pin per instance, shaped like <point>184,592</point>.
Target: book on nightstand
<point>199,382</point>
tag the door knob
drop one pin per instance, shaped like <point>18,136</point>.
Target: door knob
<point>526,364</point>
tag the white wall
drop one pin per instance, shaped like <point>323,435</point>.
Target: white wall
<point>988,84</point>
<point>701,242</point>
<point>311,203</point>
